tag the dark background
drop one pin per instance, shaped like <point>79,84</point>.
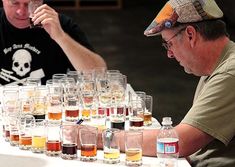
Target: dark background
<point>117,35</point>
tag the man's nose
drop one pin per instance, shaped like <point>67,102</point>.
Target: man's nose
<point>22,10</point>
<point>170,54</point>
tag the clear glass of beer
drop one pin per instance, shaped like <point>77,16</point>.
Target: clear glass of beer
<point>111,146</point>
<point>69,136</point>
<point>88,140</point>
<point>133,148</point>
<point>39,136</point>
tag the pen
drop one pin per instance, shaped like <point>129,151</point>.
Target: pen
<point>79,121</point>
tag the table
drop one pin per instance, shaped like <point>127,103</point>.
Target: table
<point>14,157</point>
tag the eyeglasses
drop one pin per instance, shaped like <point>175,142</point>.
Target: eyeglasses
<point>167,44</point>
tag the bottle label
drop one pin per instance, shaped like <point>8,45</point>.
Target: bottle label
<point>168,146</point>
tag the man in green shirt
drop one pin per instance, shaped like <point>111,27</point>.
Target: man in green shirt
<point>194,34</point>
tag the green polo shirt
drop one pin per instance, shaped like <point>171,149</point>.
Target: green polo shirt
<point>213,112</point>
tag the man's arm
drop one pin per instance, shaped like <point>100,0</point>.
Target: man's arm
<point>80,57</point>
<point>190,140</point>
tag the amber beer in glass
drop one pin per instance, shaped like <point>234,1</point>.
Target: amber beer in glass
<point>148,110</point>
<point>53,142</point>
<point>55,109</point>
<point>88,139</point>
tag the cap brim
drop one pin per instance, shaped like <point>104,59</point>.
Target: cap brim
<point>153,29</point>
<point>165,19</point>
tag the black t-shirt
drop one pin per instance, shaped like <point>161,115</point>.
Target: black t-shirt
<point>32,53</point>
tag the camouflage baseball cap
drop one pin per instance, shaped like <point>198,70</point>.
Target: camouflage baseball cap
<point>183,11</point>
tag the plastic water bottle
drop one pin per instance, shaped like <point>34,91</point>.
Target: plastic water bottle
<point>167,144</point>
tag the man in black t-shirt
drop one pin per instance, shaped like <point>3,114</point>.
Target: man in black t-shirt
<point>40,52</point>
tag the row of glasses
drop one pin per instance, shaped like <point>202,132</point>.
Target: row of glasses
<point>38,102</point>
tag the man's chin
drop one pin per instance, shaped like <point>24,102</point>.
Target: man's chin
<point>188,71</point>
<point>21,25</point>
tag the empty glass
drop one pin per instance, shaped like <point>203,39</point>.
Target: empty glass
<point>33,5</point>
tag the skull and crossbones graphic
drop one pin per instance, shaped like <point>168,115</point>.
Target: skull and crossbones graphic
<point>21,65</point>
<point>21,62</point>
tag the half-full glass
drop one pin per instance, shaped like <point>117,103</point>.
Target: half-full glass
<point>133,148</point>
<point>111,146</point>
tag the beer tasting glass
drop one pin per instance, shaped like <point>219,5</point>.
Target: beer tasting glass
<point>25,128</point>
<point>88,93</point>
<point>53,140</point>
<point>55,108</point>
<point>104,95</point>
<point>39,136</point>
<point>76,75</point>
<point>136,117</point>
<point>40,107</point>
<point>33,5</point>
<point>133,148</point>
<point>10,102</point>
<point>7,129</point>
<point>88,140</point>
<point>69,136</point>
<point>148,110</point>
<point>41,91</point>
<point>111,146</point>
<point>33,81</point>
<point>71,107</point>
<point>117,117</point>
<point>14,129</point>
<point>118,87</point>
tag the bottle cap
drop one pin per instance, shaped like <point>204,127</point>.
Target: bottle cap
<point>166,121</point>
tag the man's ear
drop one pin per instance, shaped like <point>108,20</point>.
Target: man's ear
<point>191,35</point>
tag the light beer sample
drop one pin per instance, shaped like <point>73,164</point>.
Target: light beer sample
<point>133,154</point>
<point>86,114</point>
<point>38,144</point>
<point>111,154</point>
